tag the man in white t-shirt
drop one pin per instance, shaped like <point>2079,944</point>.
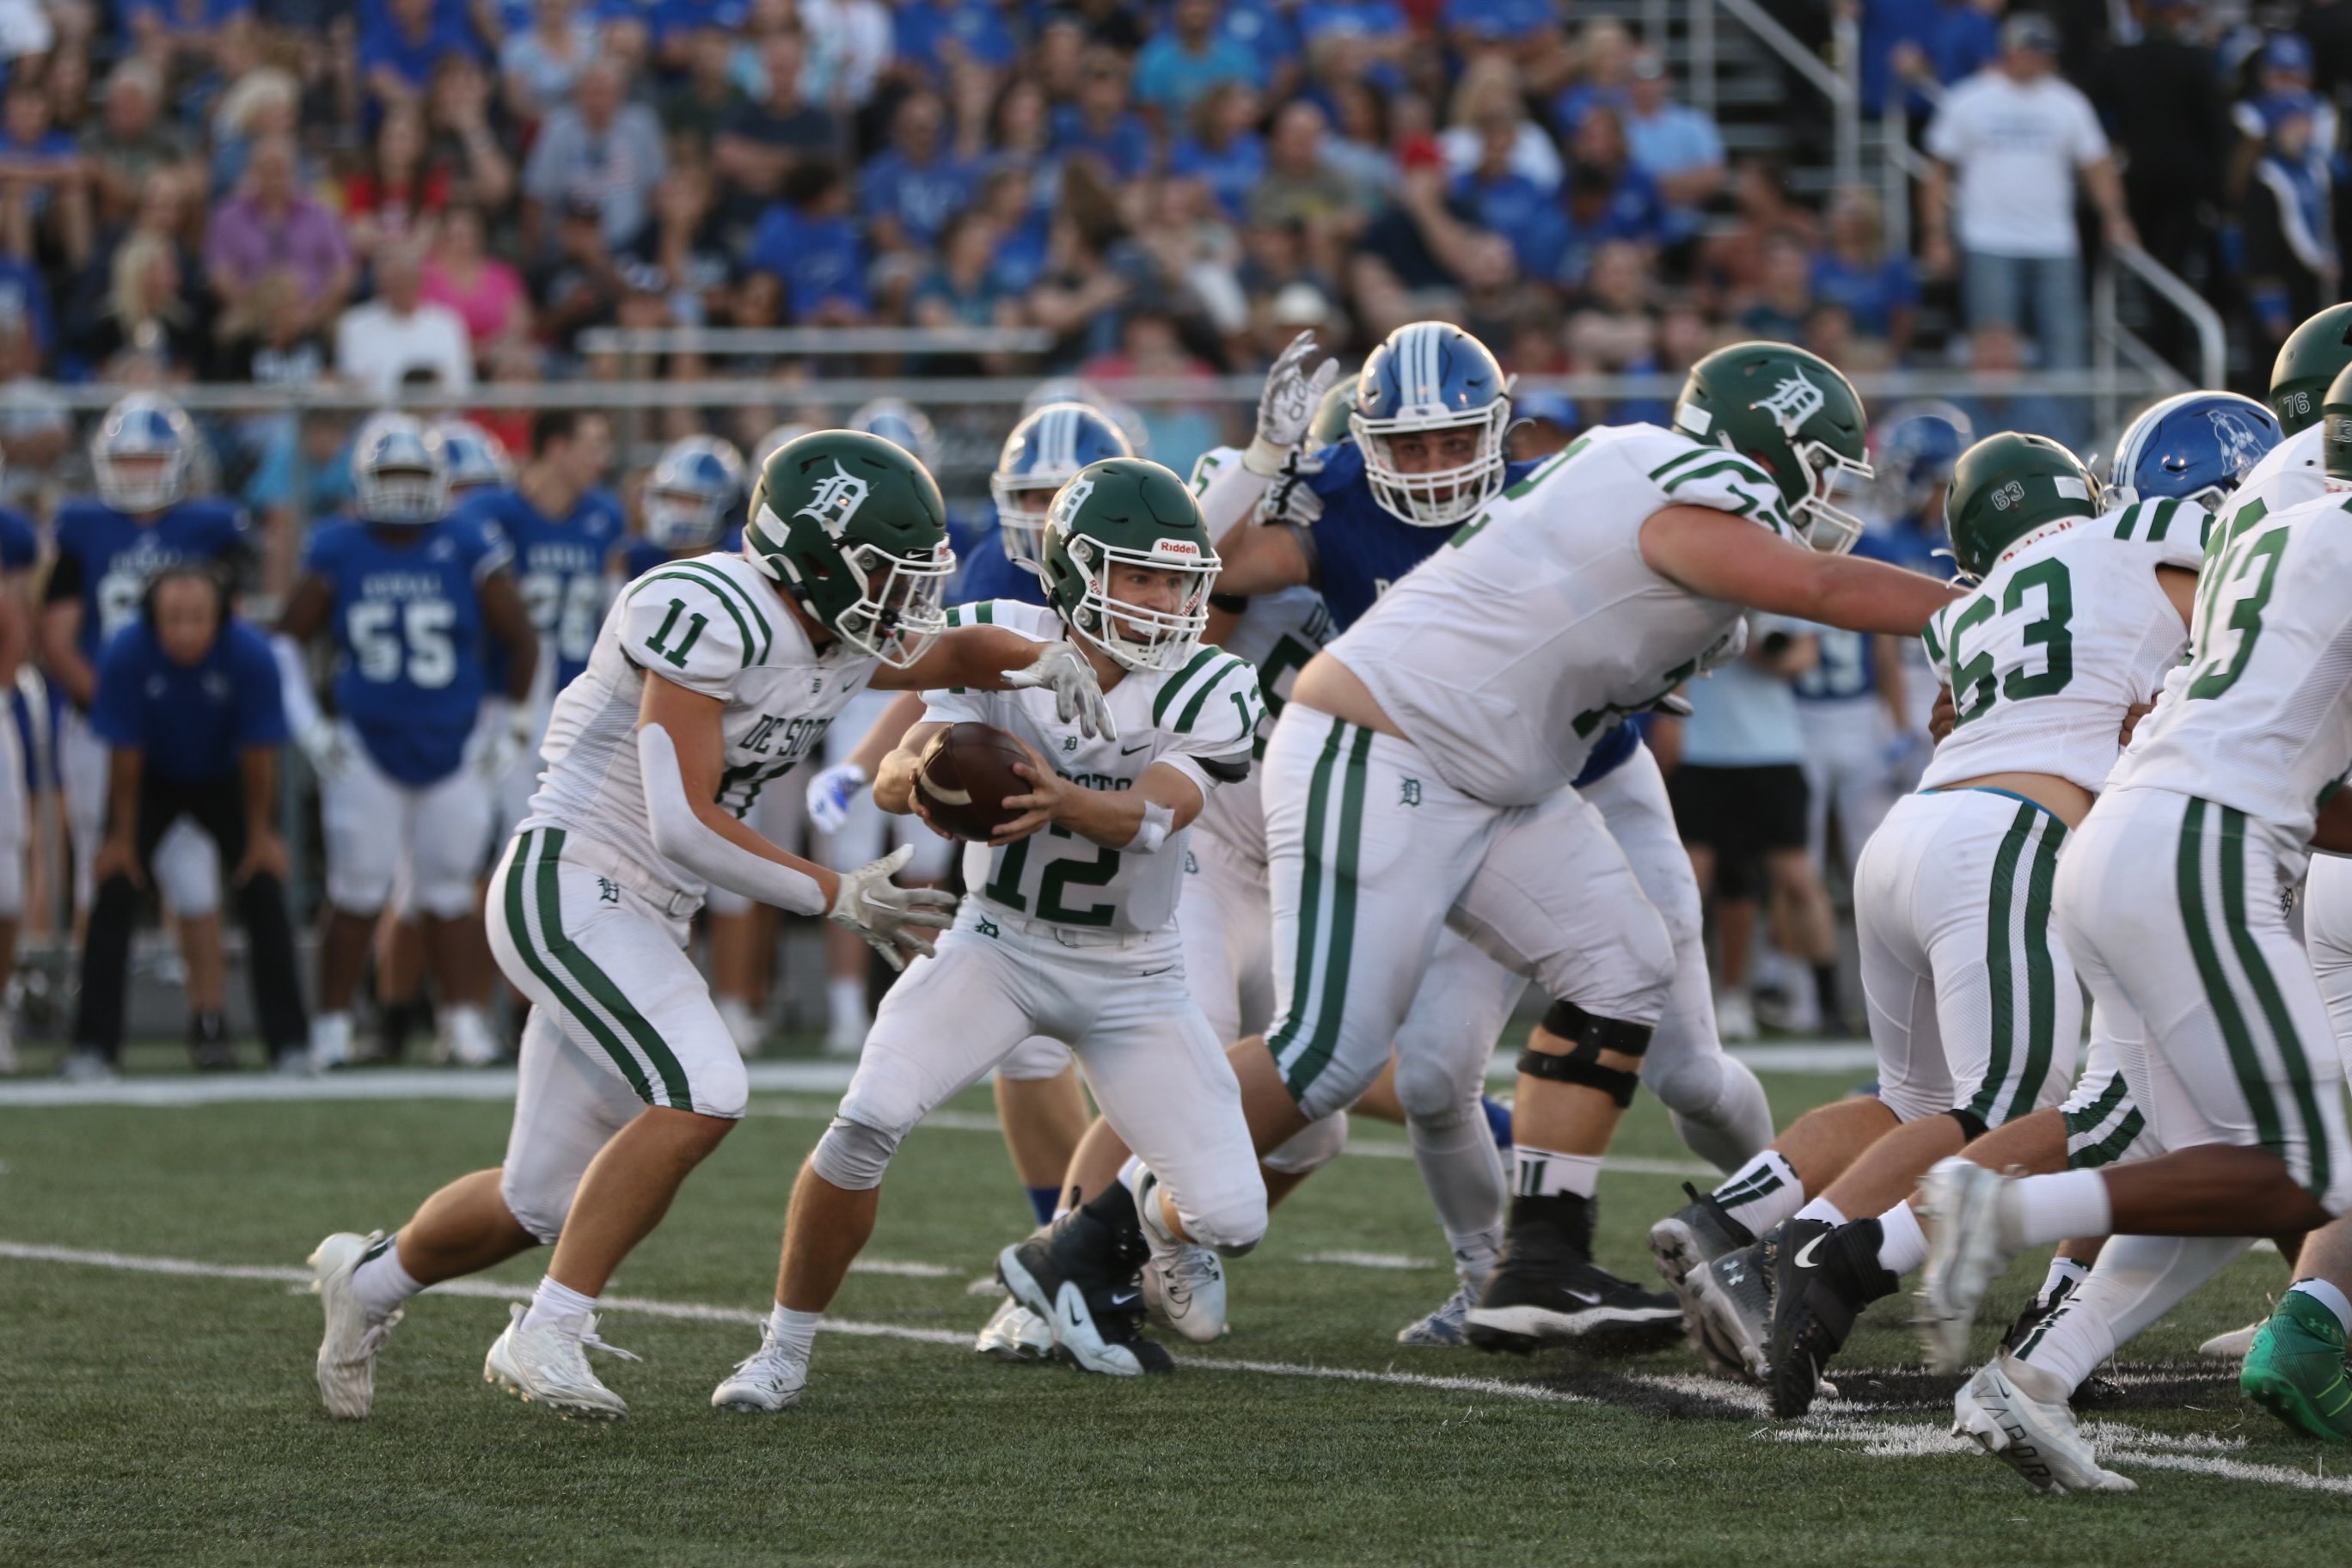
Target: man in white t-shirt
<point>379,343</point>
<point>2015,138</point>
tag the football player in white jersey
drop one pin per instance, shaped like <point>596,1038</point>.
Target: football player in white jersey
<point>2073,619</point>
<point>709,678</point>
<point>2174,900</point>
<point>1068,932</point>
<point>1420,776</point>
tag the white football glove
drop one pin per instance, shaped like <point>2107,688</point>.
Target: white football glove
<point>832,793</point>
<point>893,919</point>
<point>1286,407</point>
<point>1290,499</point>
<point>1063,670</point>
<point>328,748</point>
<point>506,736</point>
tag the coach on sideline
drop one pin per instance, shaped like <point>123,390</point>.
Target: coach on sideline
<point>189,705</point>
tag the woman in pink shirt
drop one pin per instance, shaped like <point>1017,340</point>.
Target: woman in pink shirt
<point>486,292</point>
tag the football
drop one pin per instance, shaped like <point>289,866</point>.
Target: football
<point>966,775</point>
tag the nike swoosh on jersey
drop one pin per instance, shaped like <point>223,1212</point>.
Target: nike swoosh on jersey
<point>1130,751</point>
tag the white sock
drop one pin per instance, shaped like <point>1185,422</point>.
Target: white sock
<point>2065,1276</point>
<point>561,1308</point>
<point>381,1283</point>
<point>2041,1211</point>
<point>1823,1209</point>
<point>2329,1297</point>
<point>792,1331</point>
<point>1544,1173</point>
<point>1763,1191</point>
<point>1902,1244</point>
<point>2136,1280</point>
<point>845,999</point>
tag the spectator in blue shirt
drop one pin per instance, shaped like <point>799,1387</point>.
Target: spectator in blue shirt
<point>1176,69</point>
<point>1892,31</point>
<point>44,165</point>
<point>1508,203</point>
<point>397,54</point>
<point>907,193</point>
<point>188,703</point>
<point>1606,196</point>
<point>1101,126</point>
<point>1224,151</point>
<point>932,34</point>
<point>809,242</point>
<point>1498,21</point>
<point>1965,39</point>
<point>1878,291</point>
<point>1608,51</point>
<point>1674,144</point>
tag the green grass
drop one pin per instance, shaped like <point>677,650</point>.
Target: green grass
<point>148,1418</point>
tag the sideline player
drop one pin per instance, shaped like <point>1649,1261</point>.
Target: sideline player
<point>144,456</point>
<point>1422,775</point>
<point>709,678</point>
<point>2173,900</point>
<point>20,548</point>
<point>1069,932</point>
<point>407,766</point>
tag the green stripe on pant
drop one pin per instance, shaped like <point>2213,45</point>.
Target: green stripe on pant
<point>1999,966</point>
<point>600,987</point>
<point>2189,879</point>
<point>1310,896</point>
<point>2292,1059</point>
<point>519,927</point>
<point>1331,1006</point>
<point>2040,975</point>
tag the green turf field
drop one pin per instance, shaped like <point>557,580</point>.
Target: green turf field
<point>170,1418</point>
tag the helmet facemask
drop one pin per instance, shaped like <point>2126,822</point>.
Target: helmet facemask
<point>401,497</point>
<point>1022,506</point>
<point>1820,521</point>
<point>1136,636</point>
<point>1440,498</point>
<point>899,609</point>
<point>684,520</point>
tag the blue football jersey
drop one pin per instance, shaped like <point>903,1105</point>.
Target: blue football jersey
<point>559,563</point>
<point>1361,548</point>
<point>1848,665</point>
<point>984,572</point>
<point>115,555</point>
<point>409,636</point>
<point>636,556</point>
<point>20,542</point>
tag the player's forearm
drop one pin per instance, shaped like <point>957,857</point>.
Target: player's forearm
<point>257,768</point>
<point>1110,819</point>
<point>126,766</point>
<point>974,657</point>
<point>888,731</point>
<point>1870,596</point>
<point>893,776</point>
<point>695,834</point>
<point>522,666</point>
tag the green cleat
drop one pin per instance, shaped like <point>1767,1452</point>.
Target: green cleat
<point>2296,1369</point>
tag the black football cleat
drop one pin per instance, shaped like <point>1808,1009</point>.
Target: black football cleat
<point>1533,1301</point>
<point>1079,1275</point>
<point>1822,1277</point>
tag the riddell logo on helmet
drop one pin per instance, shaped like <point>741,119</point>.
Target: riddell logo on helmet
<point>1175,547</point>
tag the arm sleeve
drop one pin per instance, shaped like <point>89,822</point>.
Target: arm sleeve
<point>687,628</point>
<point>2088,144</point>
<point>1227,491</point>
<point>686,838</point>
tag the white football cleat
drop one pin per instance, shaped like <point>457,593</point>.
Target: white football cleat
<point>2232,1346</point>
<point>766,1381</point>
<point>347,1353</point>
<point>2013,1413</point>
<point>1960,1210</point>
<point>1014,1332</point>
<point>542,1366</point>
<point>467,1039</point>
<point>330,1041</point>
<point>1186,1291</point>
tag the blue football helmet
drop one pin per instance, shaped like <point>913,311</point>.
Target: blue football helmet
<point>1045,450</point>
<point>1077,389</point>
<point>143,453</point>
<point>477,459</point>
<point>2195,446</point>
<point>695,488</point>
<point>400,473</point>
<point>1431,376</point>
<point>1914,448</point>
<point>902,424</point>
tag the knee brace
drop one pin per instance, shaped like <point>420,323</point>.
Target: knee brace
<point>1592,1035</point>
<point>852,1155</point>
<point>1311,1148</point>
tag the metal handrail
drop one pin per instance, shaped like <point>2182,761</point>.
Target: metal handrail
<point>1840,89</point>
<point>810,341</point>
<point>2212,343</point>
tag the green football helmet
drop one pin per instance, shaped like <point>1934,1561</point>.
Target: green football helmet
<point>2335,442</point>
<point>2004,487</point>
<point>1794,412</point>
<point>853,529</point>
<point>1329,427</point>
<point>2308,363</point>
<point>1129,512</point>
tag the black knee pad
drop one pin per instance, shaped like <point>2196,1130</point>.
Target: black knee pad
<point>1973,1126</point>
<point>1592,1035</point>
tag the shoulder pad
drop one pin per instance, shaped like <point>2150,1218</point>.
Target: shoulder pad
<point>694,626</point>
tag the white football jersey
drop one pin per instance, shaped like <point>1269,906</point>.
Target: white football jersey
<point>713,624</point>
<point>1506,655</point>
<point>1278,634</point>
<point>2288,475</point>
<point>1201,717</point>
<point>2069,629</point>
<point>2260,720</point>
